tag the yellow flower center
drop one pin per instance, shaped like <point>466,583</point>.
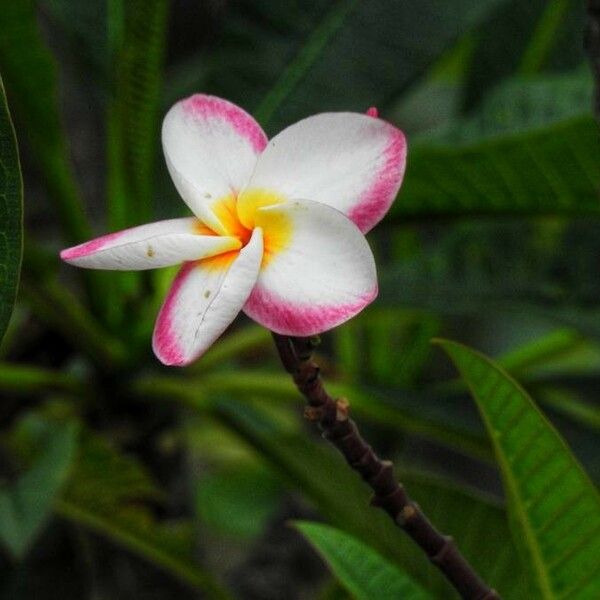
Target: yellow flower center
<point>239,215</point>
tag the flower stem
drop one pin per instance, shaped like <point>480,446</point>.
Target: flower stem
<point>389,495</point>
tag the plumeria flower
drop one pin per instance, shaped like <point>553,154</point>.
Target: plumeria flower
<point>278,225</point>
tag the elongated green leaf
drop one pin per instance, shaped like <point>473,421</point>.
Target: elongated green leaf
<point>556,345</point>
<point>560,31</point>
<point>29,73</point>
<point>405,411</point>
<point>554,508</point>
<point>535,29</point>
<point>333,54</point>
<point>245,341</point>
<point>568,403</point>
<point>533,149</point>
<point>321,475</point>
<point>11,215</point>
<point>60,309</point>
<point>385,346</point>
<point>238,501</point>
<point>109,494</point>
<point>83,24</point>
<point>22,379</point>
<point>26,505</point>
<point>30,77</point>
<point>503,267</point>
<point>133,119</point>
<point>538,363</point>
<point>361,570</point>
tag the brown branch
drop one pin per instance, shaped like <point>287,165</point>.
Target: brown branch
<point>389,495</point>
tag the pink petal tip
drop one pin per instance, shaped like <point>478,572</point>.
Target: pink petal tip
<point>89,247</point>
<point>244,124</point>
<point>377,199</point>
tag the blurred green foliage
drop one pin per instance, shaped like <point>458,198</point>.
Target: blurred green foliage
<point>11,214</point>
<point>121,478</point>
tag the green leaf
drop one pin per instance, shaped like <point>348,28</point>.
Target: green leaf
<point>534,29</point>
<point>11,215</point>
<point>321,475</point>
<point>30,75</point>
<point>26,505</point>
<point>83,26</point>
<point>140,40</point>
<point>554,43</point>
<point>247,340</point>
<point>554,508</point>
<point>61,310</point>
<point>494,268</point>
<point>111,494</point>
<point>569,404</point>
<point>25,379</point>
<point>562,353</point>
<point>385,346</point>
<point>361,570</point>
<point>238,501</point>
<point>406,411</point>
<point>557,344</point>
<point>533,148</point>
<point>333,54</point>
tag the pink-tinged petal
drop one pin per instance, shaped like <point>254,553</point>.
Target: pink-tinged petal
<point>318,269</point>
<point>159,244</point>
<point>91,247</point>
<point>294,318</point>
<point>372,112</point>
<point>210,107</point>
<point>210,147</point>
<point>204,299</point>
<point>375,201</point>
<point>350,161</point>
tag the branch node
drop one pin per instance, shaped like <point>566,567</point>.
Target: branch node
<point>339,430</point>
<point>408,512</point>
<point>393,503</point>
<point>342,406</point>
<point>313,413</point>
<point>383,482</point>
<point>449,546</point>
<point>363,463</point>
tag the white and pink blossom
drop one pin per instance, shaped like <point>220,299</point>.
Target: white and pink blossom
<point>278,225</point>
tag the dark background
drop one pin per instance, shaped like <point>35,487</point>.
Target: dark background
<point>492,241</point>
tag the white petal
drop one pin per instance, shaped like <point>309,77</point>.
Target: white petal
<point>159,244</point>
<point>203,301</point>
<point>318,269</point>
<point>350,161</point>
<point>210,146</point>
